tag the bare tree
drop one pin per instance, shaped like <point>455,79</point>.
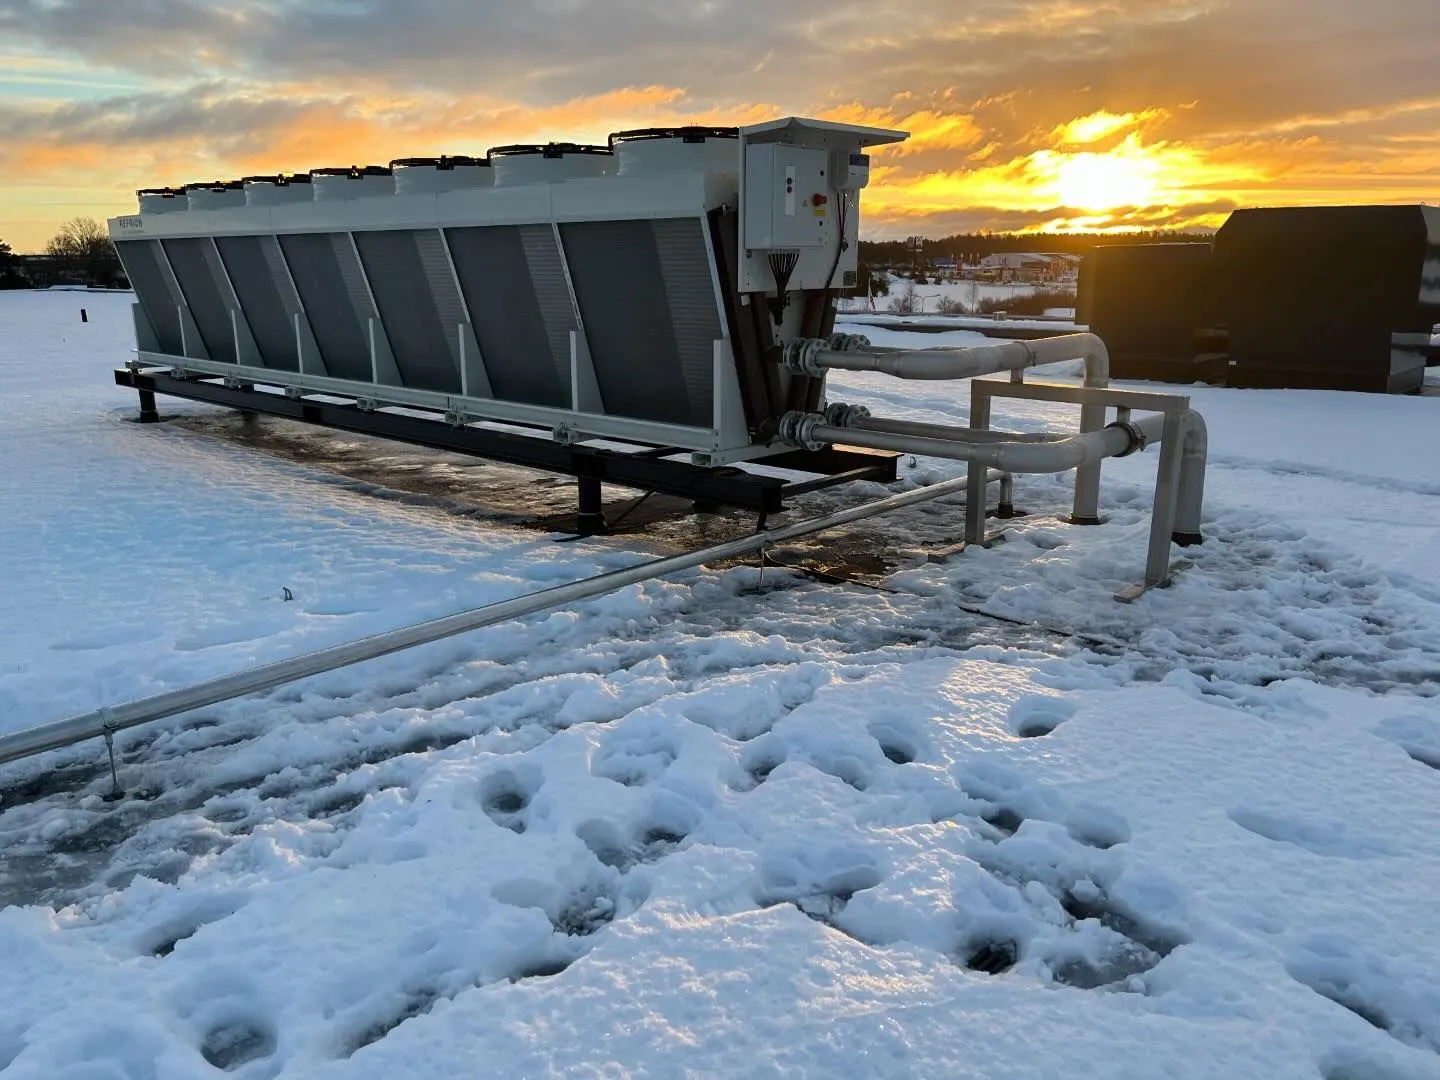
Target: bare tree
<point>83,243</point>
<point>948,305</point>
<point>79,237</point>
<point>903,300</point>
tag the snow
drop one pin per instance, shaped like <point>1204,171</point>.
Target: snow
<point>970,293</point>
<point>720,826</point>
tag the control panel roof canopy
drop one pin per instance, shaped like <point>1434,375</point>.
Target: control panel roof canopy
<point>822,134</point>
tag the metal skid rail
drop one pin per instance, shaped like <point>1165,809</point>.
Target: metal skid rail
<point>644,470</point>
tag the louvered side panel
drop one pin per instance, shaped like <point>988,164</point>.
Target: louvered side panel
<point>506,314</point>
<point>443,291</point>
<point>547,275</point>
<point>423,351</point>
<point>141,259</point>
<point>270,319</point>
<point>340,331</point>
<point>650,315</point>
<point>203,295</point>
<point>695,314</point>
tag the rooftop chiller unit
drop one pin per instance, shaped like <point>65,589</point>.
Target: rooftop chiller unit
<point>654,312</point>
<point>635,292</point>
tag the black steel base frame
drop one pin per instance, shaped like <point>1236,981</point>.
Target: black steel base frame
<point>643,470</point>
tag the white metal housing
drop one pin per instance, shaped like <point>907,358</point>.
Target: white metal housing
<point>583,292</point>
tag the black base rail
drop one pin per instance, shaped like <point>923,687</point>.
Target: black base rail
<point>643,470</point>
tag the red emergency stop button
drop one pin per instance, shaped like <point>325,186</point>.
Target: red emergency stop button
<point>819,200</point>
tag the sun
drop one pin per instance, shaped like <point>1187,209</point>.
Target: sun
<point>1097,182</point>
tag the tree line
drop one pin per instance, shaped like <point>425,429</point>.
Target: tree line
<point>80,253</point>
<point>967,247</point>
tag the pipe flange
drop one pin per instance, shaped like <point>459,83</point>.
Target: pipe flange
<point>798,429</point>
<point>839,415</point>
<point>1138,441</point>
<point>799,355</point>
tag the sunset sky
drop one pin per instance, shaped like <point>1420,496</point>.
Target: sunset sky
<point>1025,113</point>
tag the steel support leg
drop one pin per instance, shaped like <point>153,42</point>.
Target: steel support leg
<point>1190,501</point>
<point>149,414</point>
<point>975,480</point>
<point>591,518</point>
<point>1006,509</point>
<point>1167,494</point>
<point>1086,510</point>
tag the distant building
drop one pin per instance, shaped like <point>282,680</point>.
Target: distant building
<point>1029,265</point>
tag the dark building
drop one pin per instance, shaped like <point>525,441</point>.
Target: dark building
<point>1338,297</point>
<point>1156,307</point>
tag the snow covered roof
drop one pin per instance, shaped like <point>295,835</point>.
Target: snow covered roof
<point>729,826</point>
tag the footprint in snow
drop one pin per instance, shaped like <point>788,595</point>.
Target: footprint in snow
<point>1328,838</point>
<point>1035,717</point>
<point>506,796</point>
<point>1409,1014</point>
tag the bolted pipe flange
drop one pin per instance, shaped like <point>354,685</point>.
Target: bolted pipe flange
<point>1138,441</point>
<point>798,429</point>
<point>799,355</point>
<point>840,415</point>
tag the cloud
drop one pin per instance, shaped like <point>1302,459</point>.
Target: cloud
<point>1019,109</point>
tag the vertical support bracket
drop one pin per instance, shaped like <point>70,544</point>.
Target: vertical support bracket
<point>382,361</point>
<point>474,379</point>
<point>584,388</point>
<point>1162,521</point>
<point>1086,510</point>
<point>976,476</point>
<point>729,408</point>
<point>116,792</point>
<point>306,347</point>
<point>247,353</point>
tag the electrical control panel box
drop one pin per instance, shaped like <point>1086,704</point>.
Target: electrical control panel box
<point>788,197</point>
<point>800,184</point>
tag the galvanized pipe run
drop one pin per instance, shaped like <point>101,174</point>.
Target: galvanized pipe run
<point>106,721</point>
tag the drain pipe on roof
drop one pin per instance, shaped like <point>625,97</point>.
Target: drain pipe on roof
<point>104,722</point>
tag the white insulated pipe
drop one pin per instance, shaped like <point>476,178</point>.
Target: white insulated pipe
<point>1190,500</point>
<point>1062,455</point>
<point>945,431</point>
<point>962,363</point>
<point>106,721</point>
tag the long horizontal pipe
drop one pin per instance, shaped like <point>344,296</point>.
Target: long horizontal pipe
<point>946,431</point>
<point>973,361</point>
<point>1050,457</point>
<point>91,725</point>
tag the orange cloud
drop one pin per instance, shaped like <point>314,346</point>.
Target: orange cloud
<point>1086,130</point>
<point>1102,169</point>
